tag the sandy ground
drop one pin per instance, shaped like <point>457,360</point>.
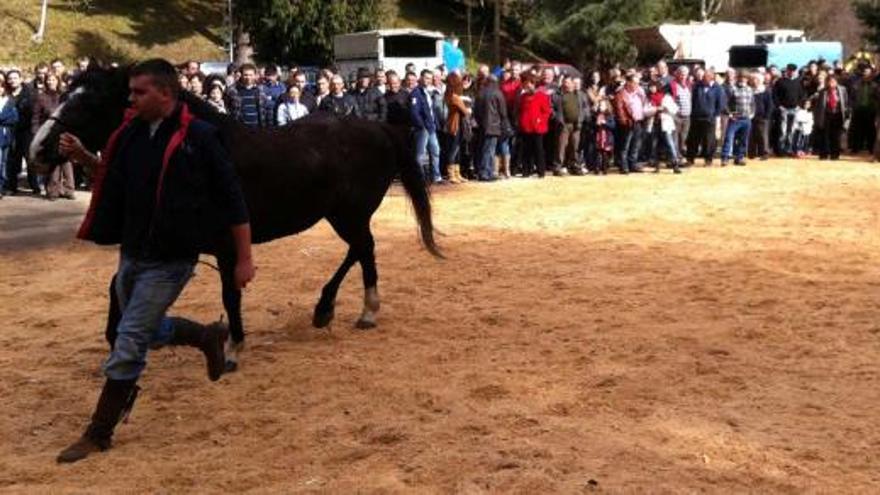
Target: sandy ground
<point>717,332</point>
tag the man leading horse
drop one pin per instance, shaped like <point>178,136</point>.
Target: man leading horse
<point>165,190</point>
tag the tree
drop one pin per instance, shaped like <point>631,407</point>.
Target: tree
<point>868,12</point>
<point>301,31</point>
<point>710,8</point>
<point>590,32</point>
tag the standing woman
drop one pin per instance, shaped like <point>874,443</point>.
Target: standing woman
<point>534,119</point>
<point>830,114</point>
<point>8,119</point>
<point>61,181</point>
<point>455,121</point>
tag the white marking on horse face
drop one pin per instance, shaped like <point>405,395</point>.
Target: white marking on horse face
<point>43,132</point>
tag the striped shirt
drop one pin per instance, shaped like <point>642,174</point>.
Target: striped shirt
<point>682,93</point>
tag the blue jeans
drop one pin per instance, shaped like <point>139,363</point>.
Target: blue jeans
<point>630,144</point>
<point>146,289</point>
<point>487,158</point>
<point>426,144</point>
<point>787,130</point>
<point>4,156</point>
<point>504,145</point>
<point>737,138</point>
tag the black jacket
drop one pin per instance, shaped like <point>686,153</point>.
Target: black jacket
<point>371,104</point>
<point>199,195</point>
<point>24,103</point>
<point>397,107</point>
<point>788,92</point>
<point>490,110</point>
<point>341,106</point>
<point>764,105</point>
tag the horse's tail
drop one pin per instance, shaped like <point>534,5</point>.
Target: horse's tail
<point>415,186</point>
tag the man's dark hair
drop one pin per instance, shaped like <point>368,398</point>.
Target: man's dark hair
<point>163,74</point>
<point>411,73</point>
<point>271,70</point>
<point>427,71</point>
<point>390,73</point>
<point>245,67</point>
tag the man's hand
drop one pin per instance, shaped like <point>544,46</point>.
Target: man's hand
<point>71,147</point>
<point>244,272</point>
<point>244,266</point>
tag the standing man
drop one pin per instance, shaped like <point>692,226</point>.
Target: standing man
<point>273,87</point>
<point>864,103</point>
<point>788,93</point>
<point>568,114</point>
<point>248,102</point>
<point>491,114</point>
<point>338,102</point>
<point>706,102</point>
<point>370,101</point>
<point>168,192</point>
<point>425,125</point>
<point>23,97</point>
<point>396,101</point>
<point>629,109</point>
<point>681,93</point>
<point>741,109</point>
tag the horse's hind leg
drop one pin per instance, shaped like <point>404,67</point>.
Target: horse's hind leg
<point>232,305</point>
<point>325,309</point>
<point>367,258</point>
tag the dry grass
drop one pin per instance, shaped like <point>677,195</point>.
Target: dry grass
<point>112,30</point>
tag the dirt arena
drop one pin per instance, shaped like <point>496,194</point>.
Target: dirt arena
<point>712,332</point>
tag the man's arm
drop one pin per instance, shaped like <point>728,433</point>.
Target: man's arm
<point>71,147</point>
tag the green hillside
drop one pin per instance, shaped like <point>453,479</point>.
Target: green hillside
<point>124,30</point>
<point>118,30</point>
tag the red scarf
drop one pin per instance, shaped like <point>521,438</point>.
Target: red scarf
<point>832,100</point>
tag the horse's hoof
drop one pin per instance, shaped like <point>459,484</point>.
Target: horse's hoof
<point>363,324</point>
<point>231,366</point>
<point>321,320</point>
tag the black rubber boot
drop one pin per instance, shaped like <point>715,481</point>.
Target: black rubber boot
<point>210,339</point>
<point>116,401</point>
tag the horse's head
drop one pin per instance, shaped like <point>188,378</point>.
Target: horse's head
<point>90,110</point>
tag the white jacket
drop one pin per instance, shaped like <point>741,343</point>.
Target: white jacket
<point>668,110</point>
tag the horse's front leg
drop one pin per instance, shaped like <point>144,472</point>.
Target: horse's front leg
<point>232,305</point>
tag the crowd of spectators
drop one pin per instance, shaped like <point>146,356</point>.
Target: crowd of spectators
<point>516,119</point>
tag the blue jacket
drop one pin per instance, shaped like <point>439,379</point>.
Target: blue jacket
<point>420,110</point>
<point>707,101</point>
<point>8,119</point>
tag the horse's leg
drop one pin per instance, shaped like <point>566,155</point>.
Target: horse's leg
<point>113,315</point>
<point>367,258</point>
<point>324,310</point>
<point>232,305</point>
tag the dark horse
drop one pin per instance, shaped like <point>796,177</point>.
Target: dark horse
<point>292,177</point>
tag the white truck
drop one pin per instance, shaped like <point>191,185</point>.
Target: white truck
<point>709,42</point>
<point>388,49</point>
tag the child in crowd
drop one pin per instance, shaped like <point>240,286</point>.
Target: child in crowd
<point>803,128</point>
<point>605,127</point>
<point>215,96</point>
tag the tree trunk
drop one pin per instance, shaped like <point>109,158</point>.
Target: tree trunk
<point>244,50</point>
<point>44,12</point>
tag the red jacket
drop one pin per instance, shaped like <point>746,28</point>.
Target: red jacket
<point>510,90</point>
<point>534,112</point>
